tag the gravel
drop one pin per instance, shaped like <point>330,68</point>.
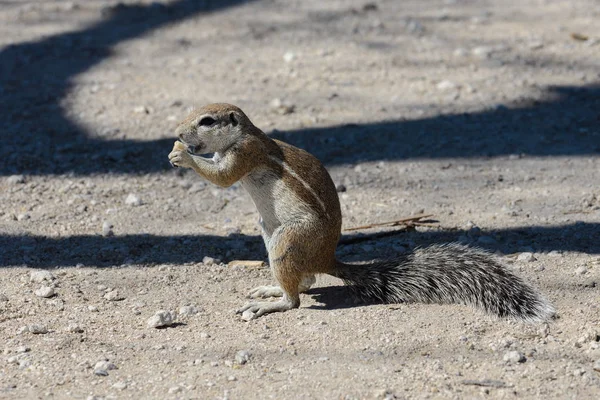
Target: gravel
<point>508,141</point>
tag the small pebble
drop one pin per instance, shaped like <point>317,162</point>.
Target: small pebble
<point>596,366</point>
<point>281,107</point>
<point>187,311</point>
<point>44,291</point>
<point>589,336</point>
<point>161,318</point>
<point>446,85</point>
<point>174,389</point>
<point>41,276</point>
<point>23,217</point>
<point>536,45</point>
<point>242,357</point>
<point>247,315</point>
<point>141,110</point>
<point>208,261</point>
<point>58,303</point>
<point>37,329</point>
<point>3,298</point>
<point>527,257</point>
<point>581,270</point>
<point>340,188</point>
<point>16,179</point>
<point>544,330</point>
<point>383,394</point>
<point>514,357</point>
<point>22,349</point>
<point>133,200</point>
<point>74,328</point>
<point>460,52</point>
<point>107,229</point>
<point>482,51</point>
<point>113,295</point>
<point>289,57</point>
<point>102,367</point>
<point>120,385</point>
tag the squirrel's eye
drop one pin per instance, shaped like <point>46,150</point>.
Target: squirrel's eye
<point>207,121</point>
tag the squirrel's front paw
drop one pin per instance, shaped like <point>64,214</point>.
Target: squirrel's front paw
<point>179,157</point>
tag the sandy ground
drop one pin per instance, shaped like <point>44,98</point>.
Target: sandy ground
<point>485,114</point>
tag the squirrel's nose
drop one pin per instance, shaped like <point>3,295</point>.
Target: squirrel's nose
<point>180,136</point>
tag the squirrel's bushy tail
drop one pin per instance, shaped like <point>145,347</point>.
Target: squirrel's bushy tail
<point>449,273</point>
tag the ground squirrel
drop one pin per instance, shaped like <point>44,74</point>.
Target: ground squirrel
<point>301,224</point>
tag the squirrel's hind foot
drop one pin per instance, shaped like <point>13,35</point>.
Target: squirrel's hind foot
<point>276,291</point>
<point>259,309</point>
<point>265,291</point>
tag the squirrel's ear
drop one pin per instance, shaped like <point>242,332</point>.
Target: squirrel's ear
<point>233,119</point>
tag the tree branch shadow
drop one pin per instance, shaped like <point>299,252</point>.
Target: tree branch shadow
<point>147,249</point>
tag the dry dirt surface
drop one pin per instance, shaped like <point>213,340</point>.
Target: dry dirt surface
<point>485,114</point>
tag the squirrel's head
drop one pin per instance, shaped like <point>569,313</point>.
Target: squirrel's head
<point>212,128</point>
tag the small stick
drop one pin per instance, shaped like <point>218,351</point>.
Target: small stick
<point>247,263</point>
<point>411,220</point>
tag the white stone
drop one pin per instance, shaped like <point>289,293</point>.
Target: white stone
<point>161,318</point>
<point>37,329</point>
<point>188,311</point>
<point>133,200</point>
<point>514,357</point>
<point>113,295</point>
<point>44,291</point>
<point>41,276</point>
<point>16,179</point>
<point>242,357</point>
<point>527,257</point>
<point>247,315</point>
<point>289,57</point>
<point>107,229</point>
<point>446,85</point>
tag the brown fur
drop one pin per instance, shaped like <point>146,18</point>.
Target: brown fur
<point>305,208</point>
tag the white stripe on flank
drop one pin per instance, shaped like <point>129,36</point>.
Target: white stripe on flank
<point>297,177</point>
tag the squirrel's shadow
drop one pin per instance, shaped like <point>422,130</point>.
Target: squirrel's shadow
<point>332,298</point>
